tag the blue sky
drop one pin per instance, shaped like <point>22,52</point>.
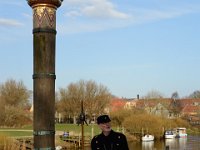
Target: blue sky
<point>130,46</point>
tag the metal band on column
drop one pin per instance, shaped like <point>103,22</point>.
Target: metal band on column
<point>40,30</point>
<point>44,75</point>
<point>42,133</point>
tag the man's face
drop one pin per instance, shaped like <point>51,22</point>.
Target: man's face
<point>105,127</point>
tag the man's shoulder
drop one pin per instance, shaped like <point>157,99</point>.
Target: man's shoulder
<point>118,135</point>
<point>96,137</point>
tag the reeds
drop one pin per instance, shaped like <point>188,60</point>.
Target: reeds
<point>7,143</point>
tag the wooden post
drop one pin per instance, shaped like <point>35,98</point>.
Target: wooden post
<point>82,140</point>
<point>92,131</point>
<point>44,36</point>
<point>167,147</point>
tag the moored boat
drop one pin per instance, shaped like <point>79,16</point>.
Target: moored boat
<point>169,134</point>
<point>181,132</point>
<point>147,138</point>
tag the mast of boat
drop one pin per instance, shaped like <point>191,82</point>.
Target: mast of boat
<point>142,132</point>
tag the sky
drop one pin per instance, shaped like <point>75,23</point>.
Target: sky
<point>130,46</point>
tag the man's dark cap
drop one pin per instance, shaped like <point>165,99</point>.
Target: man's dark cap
<point>103,119</point>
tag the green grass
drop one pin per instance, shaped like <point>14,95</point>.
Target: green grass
<point>27,130</point>
<point>16,133</point>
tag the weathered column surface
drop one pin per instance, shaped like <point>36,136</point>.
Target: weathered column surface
<point>44,38</point>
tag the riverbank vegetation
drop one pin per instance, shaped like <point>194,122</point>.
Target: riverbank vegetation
<point>137,122</point>
<point>7,143</point>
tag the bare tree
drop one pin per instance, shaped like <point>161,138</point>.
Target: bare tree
<point>14,93</point>
<point>153,95</point>
<point>95,98</point>
<point>175,96</point>
<point>14,98</point>
<point>195,94</point>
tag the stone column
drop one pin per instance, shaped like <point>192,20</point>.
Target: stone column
<point>44,39</point>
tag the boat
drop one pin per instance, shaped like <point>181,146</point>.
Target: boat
<point>181,132</point>
<point>147,138</point>
<point>169,134</point>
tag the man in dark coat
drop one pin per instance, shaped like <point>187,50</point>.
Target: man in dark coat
<point>108,139</point>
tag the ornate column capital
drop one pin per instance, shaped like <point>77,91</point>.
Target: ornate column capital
<point>44,14</point>
<point>50,3</point>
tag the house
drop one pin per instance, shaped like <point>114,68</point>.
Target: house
<point>160,110</point>
<point>158,107</point>
<point>170,108</point>
<point>183,102</point>
<point>117,104</point>
<point>194,120</point>
<point>190,110</point>
<point>130,104</point>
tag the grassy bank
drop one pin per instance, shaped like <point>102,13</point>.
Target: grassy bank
<point>16,133</point>
<point>73,129</point>
<point>28,130</point>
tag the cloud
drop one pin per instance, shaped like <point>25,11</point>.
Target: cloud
<point>89,26</point>
<point>91,16</point>
<point>99,15</point>
<point>95,9</point>
<point>149,15</point>
<point>9,22</point>
<point>103,10</point>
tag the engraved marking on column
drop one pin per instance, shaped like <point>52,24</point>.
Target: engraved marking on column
<point>44,17</point>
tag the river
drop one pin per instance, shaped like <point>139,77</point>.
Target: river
<point>189,143</point>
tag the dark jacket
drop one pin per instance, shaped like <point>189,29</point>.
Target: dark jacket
<point>114,141</point>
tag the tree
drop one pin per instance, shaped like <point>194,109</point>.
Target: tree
<point>175,96</point>
<point>119,116</point>
<point>153,95</point>
<point>14,98</point>
<point>195,94</point>
<point>95,97</point>
<point>14,93</point>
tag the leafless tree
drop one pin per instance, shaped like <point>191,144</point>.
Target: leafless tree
<point>14,98</point>
<point>95,98</point>
<point>14,93</point>
<point>153,95</point>
<point>175,96</point>
<point>195,94</point>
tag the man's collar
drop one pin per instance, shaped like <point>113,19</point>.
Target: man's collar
<point>108,133</point>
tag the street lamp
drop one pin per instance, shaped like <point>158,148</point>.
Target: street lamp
<point>44,37</point>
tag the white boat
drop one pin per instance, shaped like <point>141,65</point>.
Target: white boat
<point>147,138</point>
<point>169,134</point>
<point>181,132</point>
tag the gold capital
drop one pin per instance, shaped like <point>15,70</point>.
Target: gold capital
<point>51,3</point>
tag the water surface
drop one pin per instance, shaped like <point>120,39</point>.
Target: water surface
<point>189,143</point>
